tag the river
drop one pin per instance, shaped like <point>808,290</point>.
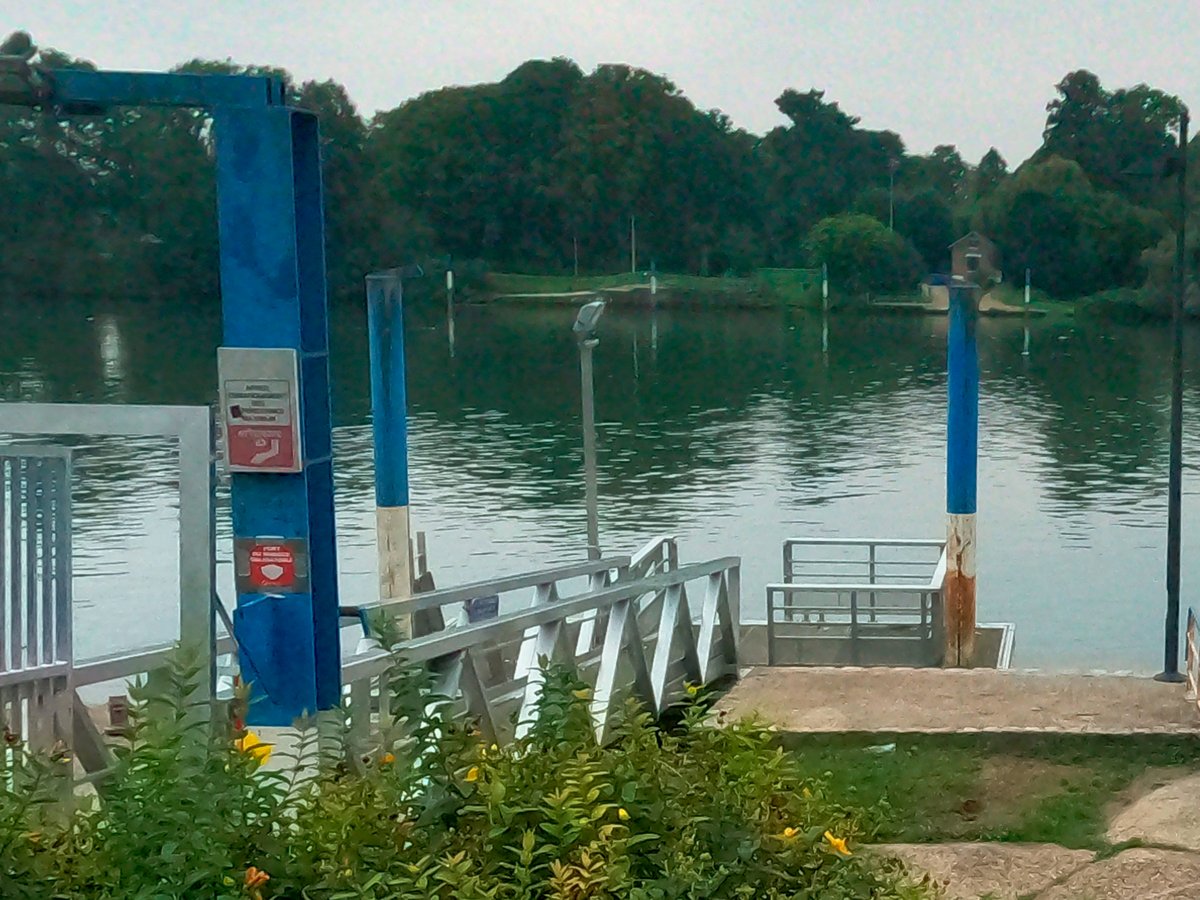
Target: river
<point>729,429</point>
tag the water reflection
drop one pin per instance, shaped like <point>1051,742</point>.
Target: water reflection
<point>732,430</point>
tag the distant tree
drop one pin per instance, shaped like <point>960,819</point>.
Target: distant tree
<point>926,219</point>
<point>817,166</point>
<point>992,170</point>
<point>1108,134</point>
<point>862,255</point>
<point>1077,239</point>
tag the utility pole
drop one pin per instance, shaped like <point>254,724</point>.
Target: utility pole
<point>892,166</point>
<point>1170,672</point>
<point>450,308</point>
<point>1028,298</point>
<point>633,244</point>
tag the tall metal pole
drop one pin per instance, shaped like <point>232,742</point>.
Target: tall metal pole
<point>389,415</point>
<point>824,308</point>
<point>1170,672</point>
<point>450,308</point>
<point>633,244</point>
<point>962,449</point>
<point>586,346</point>
<point>891,198</point>
<point>1028,299</point>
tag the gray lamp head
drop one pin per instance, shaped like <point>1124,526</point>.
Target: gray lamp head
<point>588,317</point>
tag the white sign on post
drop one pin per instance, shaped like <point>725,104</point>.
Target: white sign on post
<point>260,409</point>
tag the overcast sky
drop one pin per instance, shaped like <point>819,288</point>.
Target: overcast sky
<point>975,73</point>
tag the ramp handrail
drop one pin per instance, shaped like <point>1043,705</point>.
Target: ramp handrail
<point>1192,656</point>
<point>656,667</point>
<point>839,588</point>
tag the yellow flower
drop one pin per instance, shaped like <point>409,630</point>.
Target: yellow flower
<point>582,694</point>
<point>256,878</point>
<point>473,773</point>
<point>807,793</point>
<point>253,745</point>
<point>789,832</point>
<point>838,844</point>
<point>622,814</point>
<point>388,759</point>
<point>693,690</point>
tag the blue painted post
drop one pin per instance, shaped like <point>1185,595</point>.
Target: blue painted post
<point>389,413</point>
<point>962,454</point>
<point>273,293</point>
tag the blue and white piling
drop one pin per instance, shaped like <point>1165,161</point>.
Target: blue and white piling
<point>962,454</point>
<point>389,414</point>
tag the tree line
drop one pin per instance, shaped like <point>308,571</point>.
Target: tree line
<point>544,170</point>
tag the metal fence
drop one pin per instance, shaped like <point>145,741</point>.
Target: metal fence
<point>1192,656</point>
<point>36,693</point>
<point>493,670</point>
<point>191,427</point>
<point>856,600</point>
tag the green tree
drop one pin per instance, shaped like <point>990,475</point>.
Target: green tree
<point>862,255</point>
<point>1111,133</point>
<point>990,172</point>
<point>817,166</point>
<point>1077,239</point>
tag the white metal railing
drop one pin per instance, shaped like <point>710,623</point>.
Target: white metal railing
<point>849,589</point>
<point>1192,656</point>
<point>36,695</point>
<point>685,645</point>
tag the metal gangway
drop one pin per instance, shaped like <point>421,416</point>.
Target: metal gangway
<point>640,626</point>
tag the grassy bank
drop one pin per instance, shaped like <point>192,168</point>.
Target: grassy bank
<point>766,287</point>
<point>1059,789</point>
<point>797,288</point>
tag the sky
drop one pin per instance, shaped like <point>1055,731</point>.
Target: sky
<point>977,73</point>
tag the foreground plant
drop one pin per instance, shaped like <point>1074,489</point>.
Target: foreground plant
<point>437,811</point>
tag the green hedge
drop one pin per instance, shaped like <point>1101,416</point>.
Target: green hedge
<point>704,810</point>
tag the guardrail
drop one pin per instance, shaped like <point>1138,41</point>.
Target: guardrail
<point>855,591</point>
<point>1192,656</point>
<point>499,691</point>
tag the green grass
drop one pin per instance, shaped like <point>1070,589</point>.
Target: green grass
<point>766,287</point>
<point>1057,789</point>
<point>514,283</point>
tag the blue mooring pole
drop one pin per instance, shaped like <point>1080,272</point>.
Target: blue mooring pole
<point>962,456</point>
<point>389,414</point>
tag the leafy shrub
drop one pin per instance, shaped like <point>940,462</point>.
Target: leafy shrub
<point>704,810</point>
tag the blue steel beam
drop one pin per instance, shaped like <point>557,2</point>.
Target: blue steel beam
<point>273,295</point>
<point>80,86</point>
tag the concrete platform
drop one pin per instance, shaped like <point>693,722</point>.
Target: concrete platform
<point>894,700</point>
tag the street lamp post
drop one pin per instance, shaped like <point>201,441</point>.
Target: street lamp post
<point>893,164</point>
<point>1170,672</point>
<point>585,332</point>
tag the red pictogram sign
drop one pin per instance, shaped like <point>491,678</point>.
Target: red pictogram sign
<point>272,566</point>
<point>260,401</point>
<point>265,447</point>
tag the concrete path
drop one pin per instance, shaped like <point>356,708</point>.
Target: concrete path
<point>1166,819</point>
<point>1002,871</point>
<point>1050,872</point>
<point>1168,816</point>
<point>847,699</point>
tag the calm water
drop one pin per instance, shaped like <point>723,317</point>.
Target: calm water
<point>729,430</point>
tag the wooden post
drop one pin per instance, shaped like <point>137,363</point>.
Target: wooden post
<point>389,412</point>
<point>962,452</point>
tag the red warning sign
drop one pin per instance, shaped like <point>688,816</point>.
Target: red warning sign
<point>272,566</point>
<point>265,448</point>
<point>260,400</point>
